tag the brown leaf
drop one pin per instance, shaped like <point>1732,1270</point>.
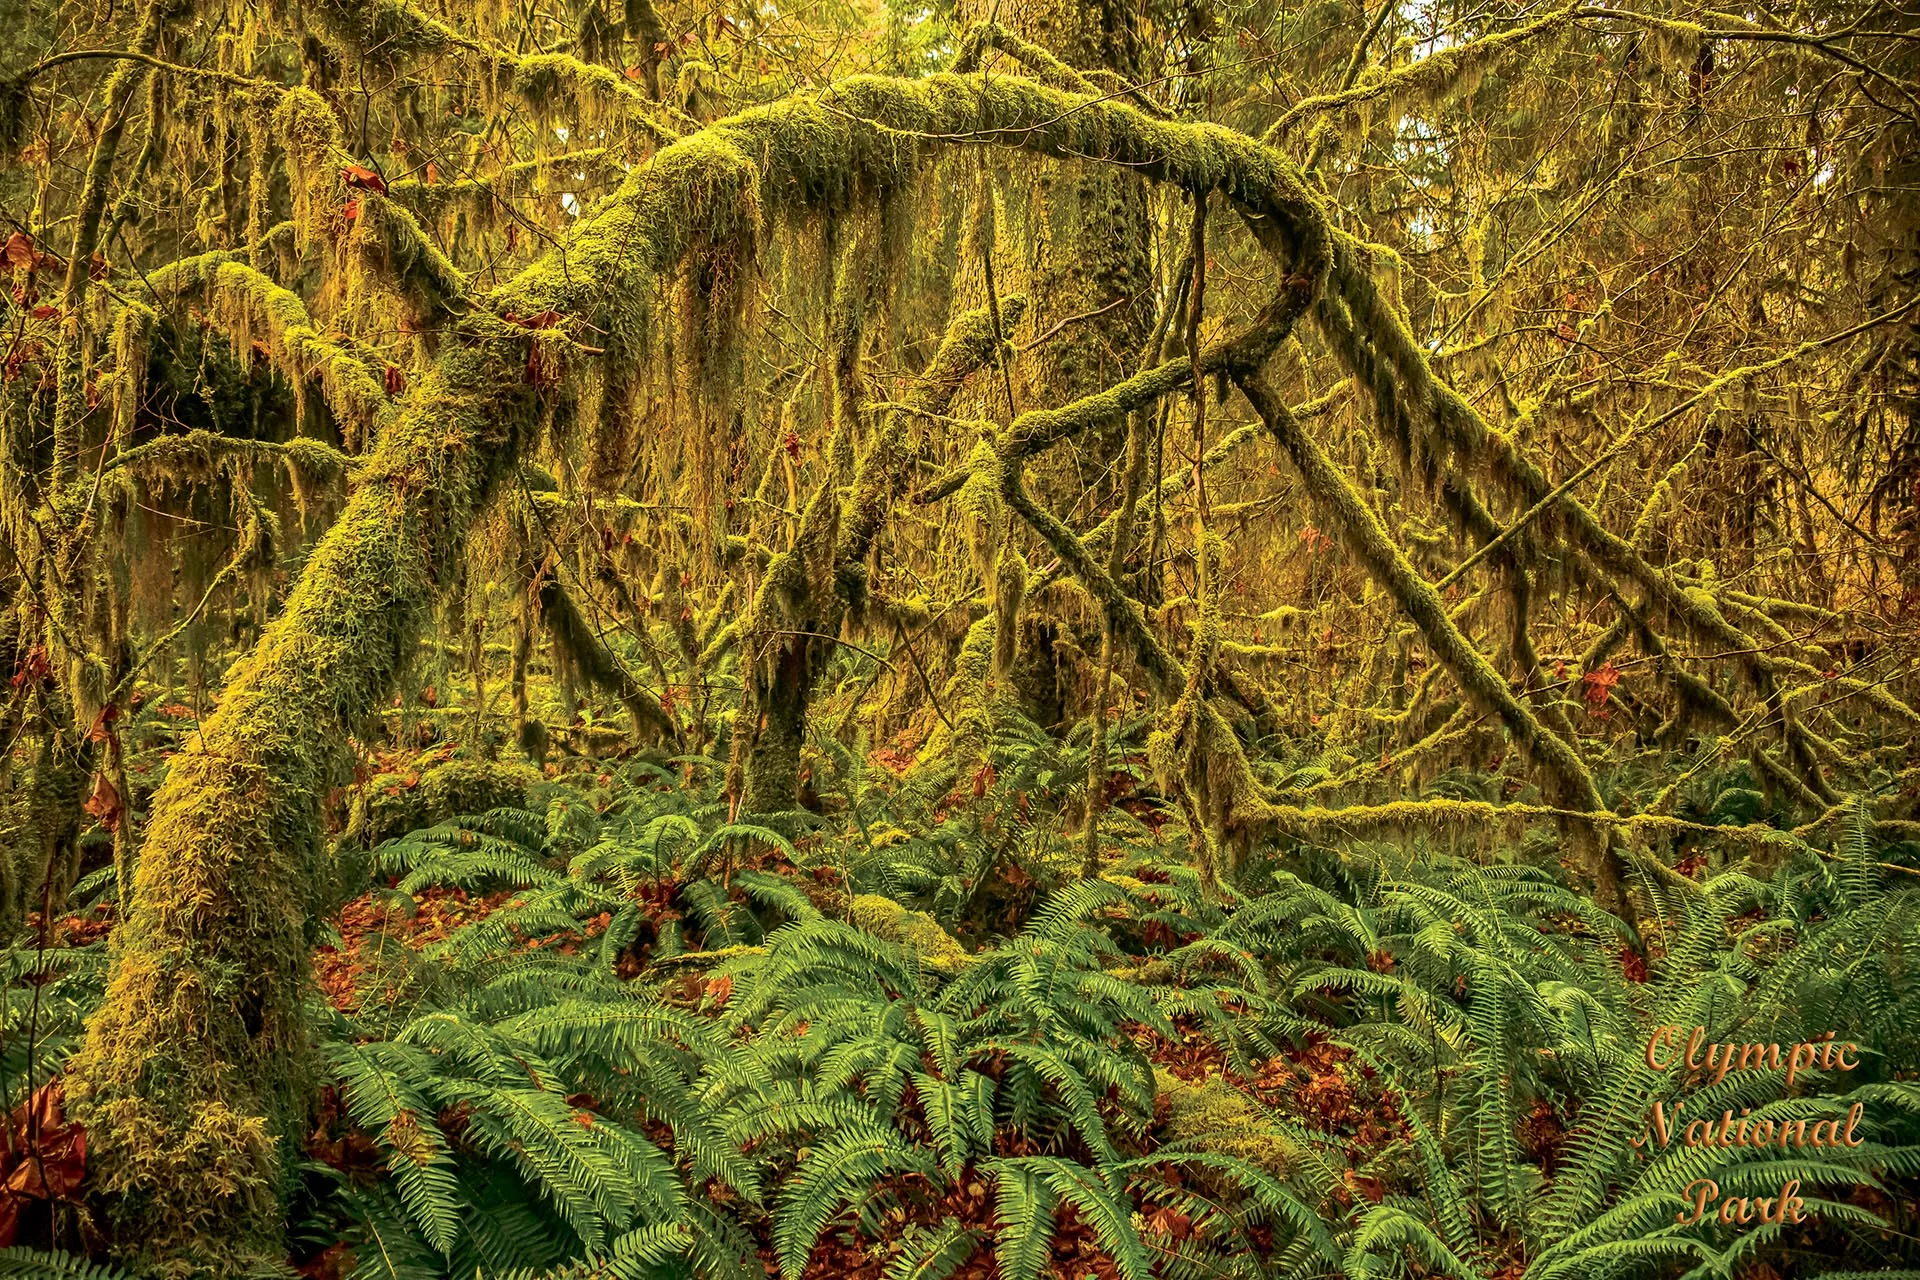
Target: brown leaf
<point>19,251</point>
<point>102,730</point>
<point>47,1154</point>
<point>105,803</point>
<point>33,667</point>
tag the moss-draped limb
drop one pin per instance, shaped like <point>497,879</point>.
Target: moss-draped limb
<point>1391,363</point>
<point>390,34</point>
<point>1037,430</point>
<point>1570,783</point>
<point>311,460</point>
<point>979,37</point>
<point>588,655</point>
<point>1046,68</point>
<point>1431,76</point>
<point>252,306</point>
<point>1437,814</point>
<point>1120,610</point>
<point>397,249</point>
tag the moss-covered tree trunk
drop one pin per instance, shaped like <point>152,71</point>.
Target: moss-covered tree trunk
<point>1088,249</point>
<point>191,1082</point>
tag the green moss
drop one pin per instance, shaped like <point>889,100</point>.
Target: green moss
<point>399,253</point>
<point>1215,1117</point>
<point>203,1015</point>
<point>191,1081</point>
<point>915,930</point>
<point>392,804</point>
<point>251,307</point>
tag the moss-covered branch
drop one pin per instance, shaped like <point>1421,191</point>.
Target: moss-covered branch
<point>1570,783</point>
<point>1433,76</point>
<point>585,653</point>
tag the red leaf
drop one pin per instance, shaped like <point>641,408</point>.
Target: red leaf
<point>355,176</point>
<point>102,730</point>
<point>45,1156</point>
<point>542,370</point>
<point>352,210</point>
<point>396,380</point>
<point>19,251</point>
<point>1170,1222</point>
<point>1633,966</point>
<point>1597,687</point>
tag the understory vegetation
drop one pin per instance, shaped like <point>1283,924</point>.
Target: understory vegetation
<point>1093,638</point>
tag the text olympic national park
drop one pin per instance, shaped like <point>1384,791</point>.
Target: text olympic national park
<point>1673,1046</point>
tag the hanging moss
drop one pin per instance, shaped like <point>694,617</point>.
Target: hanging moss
<point>253,307</point>
<point>1438,75</point>
<point>588,655</point>
<point>398,252</point>
<point>1572,785</point>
